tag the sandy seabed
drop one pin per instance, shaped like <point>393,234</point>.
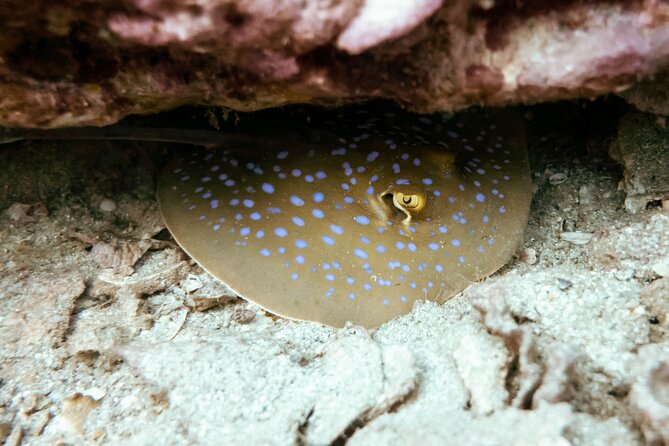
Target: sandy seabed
<point>110,334</point>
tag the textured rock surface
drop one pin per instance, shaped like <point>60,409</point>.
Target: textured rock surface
<point>94,62</point>
<point>641,147</point>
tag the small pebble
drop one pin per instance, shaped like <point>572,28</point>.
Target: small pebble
<point>661,267</point>
<point>557,178</point>
<point>564,284</point>
<point>243,315</point>
<point>27,213</point>
<point>528,256</point>
<point>585,195</point>
<point>107,205</point>
<point>576,237</point>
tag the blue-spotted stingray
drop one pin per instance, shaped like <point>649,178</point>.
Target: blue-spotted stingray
<point>357,219</point>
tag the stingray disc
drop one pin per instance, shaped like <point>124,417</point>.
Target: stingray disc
<point>358,226</point>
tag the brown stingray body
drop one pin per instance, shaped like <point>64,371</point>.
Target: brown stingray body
<point>325,231</point>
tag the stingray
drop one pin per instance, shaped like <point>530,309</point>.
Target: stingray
<point>358,218</point>
<point>347,220</point>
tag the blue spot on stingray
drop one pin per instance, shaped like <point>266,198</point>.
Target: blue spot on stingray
<point>427,181</point>
<point>502,210</point>
<point>298,221</point>
<point>374,178</point>
<point>268,188</point>
<point>337,229</point>
<point>255,216</point>
<point>455,242</point>
<point>480,197</point>
<point>297,201</point>
<point>351,296</point>
<point>300,259</point>
<point>321,175</point>
<point>248,203</point>
<point>301,244</point>
<point>244,231</point>
<point>328,240</point>
<point>216,227</point>
<point>274,210</point>
<point>412,247</point>
<point>317,213</point>
<point>399,245</point>
<point>282,155</point>
<point>360,253</point>
<point>318,197</point>
<point>370,190</point>
<point>329,277</point>
<point>336,265</point>
<point>491,241</point>
<point>213,204</point>
<point>265,252</point>
<point>367,287</point>
<point>234,202</point>
<point>294,276</point>
<point>437,193</point>
<point>363,220</point>
<point>461,259</point>
<point>309,178</point>
<point>345,186</point>
<point>280,232</point>
<point>380,249</point>
<point>433,246</point>
<point>412,284</point>
<point>260,234</point>
<point>438,268</point>
<point>485,219</point>
<point>350,280</point>
<point>372,156</point>
<point>443,229</point>
<point>348,200</point>
<point>481,250</point>
<point>394,264</point>
<point>281,250</point>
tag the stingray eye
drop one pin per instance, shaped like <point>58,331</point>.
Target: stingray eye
<point>410,202</point>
